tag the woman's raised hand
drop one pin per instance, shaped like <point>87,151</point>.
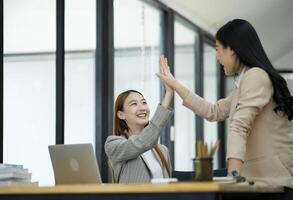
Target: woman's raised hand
<point>169,81</point>
<point>165,74</point>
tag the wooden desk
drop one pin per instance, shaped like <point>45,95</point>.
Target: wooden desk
<point>174,191</point>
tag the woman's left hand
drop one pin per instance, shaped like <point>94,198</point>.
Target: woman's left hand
<point>165,74</point>
<point>170,82</point>
<point>164,68</point>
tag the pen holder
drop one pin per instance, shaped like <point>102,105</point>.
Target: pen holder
<point>203,169</point>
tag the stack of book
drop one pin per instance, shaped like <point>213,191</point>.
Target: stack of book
<point>11,174</point>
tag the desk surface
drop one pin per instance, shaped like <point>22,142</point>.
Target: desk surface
<point>203,187</point>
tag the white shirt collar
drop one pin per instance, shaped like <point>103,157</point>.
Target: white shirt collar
<point>153,164</point>
<point>240,75</point>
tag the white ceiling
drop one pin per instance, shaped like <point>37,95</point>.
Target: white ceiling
<point>272,19</point>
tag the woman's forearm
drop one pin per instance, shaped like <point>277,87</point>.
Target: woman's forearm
<point>180,89</point>
<point>167,99</point>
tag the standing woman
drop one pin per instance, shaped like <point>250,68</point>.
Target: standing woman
<point>259,108</point>
<point>133,150</point>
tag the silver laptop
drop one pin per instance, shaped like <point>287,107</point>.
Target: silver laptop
<point>74,164</point>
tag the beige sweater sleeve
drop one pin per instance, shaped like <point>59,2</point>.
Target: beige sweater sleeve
<point>218,111</point>
<point>255,92</point>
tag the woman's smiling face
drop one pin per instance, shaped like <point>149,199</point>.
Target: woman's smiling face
<point>135,111</point>
<point>228,58</point>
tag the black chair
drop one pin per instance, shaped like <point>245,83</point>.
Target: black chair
<point>189,175</point>
<point>288,194</point>
<point>183,175</point>
<point>220,172</point>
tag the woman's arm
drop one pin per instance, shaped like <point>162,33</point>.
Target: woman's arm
<point>167,99</point>
<point>169,90</point>
<point>213,112</point>
<point>120,149</point>
<point>169,80</point>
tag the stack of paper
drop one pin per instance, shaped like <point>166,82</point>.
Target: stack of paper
<point>11,174</point>
<point>224,179</point>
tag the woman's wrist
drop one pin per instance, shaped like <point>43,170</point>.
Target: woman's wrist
<point>169,93</point>
<point>172,82</point>
<point>167,99</point>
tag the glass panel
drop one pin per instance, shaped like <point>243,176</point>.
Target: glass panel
<point>137,41</point>
<point>289,78</point>
<point>184,119</point>
<point>80,25</point>
<point>29,85</point>
<point>210,93</point>
<point>80,42</point>
<point>29,26</point>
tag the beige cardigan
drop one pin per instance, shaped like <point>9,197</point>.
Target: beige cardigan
<point>256,134</point>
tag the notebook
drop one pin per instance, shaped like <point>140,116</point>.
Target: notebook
<point>74,164</point>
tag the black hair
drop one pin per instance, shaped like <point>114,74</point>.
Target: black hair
<point>240,36</point>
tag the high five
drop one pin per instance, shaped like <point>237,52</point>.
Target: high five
<point>259,108</point>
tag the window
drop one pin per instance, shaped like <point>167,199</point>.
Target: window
<point>137,43</point>
<point>80,44</point>
<point>289,79</point>
<point>211,74</point>
<point>184,119</point>
<point>29,85</point>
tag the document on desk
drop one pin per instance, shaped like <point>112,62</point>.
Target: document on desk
<point>164,180</point>
<point>224,179</point>
<point>18,183</point>
<point>14,174</point>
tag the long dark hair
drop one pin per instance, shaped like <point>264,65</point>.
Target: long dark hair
<point>240,36</point>
<point>120,127</point>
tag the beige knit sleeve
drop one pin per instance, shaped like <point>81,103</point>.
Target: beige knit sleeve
<point>218,111</point>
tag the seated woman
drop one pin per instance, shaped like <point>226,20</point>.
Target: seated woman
<point>133,150</point>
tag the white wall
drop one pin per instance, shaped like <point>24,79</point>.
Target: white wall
<point>285,62</point>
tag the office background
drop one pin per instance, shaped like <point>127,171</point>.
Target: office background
<point>64,62</point>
